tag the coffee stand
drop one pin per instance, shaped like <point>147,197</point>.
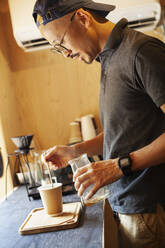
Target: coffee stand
<point>14,211</point>
<point>93,229</point>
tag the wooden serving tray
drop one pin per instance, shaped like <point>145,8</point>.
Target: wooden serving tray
<point>39,221</point>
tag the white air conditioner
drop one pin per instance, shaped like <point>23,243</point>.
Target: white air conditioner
<point>25,31</point>
<point>141,14</point>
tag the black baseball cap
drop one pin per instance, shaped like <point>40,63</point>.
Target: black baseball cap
<point>51,10</point>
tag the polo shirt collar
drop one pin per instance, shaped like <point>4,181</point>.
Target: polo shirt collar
<point>116,35</point>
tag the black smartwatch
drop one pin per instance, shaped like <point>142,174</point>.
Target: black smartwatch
<point>125,164</point>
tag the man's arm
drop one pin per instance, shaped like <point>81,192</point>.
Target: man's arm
<point>105,172</point>
<point>91,147</point>
<point>60,155</point>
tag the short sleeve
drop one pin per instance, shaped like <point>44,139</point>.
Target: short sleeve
<point>150,70</point>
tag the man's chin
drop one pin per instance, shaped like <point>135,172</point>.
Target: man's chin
<point>89,60</point>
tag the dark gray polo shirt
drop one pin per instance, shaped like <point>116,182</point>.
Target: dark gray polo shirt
<point>132,91</point>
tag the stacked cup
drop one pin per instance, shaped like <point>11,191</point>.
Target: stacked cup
<point>87,127</point>
<point>75,132</point>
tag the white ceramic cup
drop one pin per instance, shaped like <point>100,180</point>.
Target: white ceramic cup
<point>87,128</point>
<point>52,198</point>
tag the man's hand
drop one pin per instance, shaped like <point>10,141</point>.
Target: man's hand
<point>58,156</point>
<point>98,174</point>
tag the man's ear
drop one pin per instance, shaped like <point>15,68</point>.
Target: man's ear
<point>84,18</point>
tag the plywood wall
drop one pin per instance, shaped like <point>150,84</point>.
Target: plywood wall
<point>41,93</point>
<point>10,122</point>
<point>162,2</point>
<point>50,97</point>
<point>52,91</point>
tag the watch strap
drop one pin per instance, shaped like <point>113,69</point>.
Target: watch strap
<point>126,169</point>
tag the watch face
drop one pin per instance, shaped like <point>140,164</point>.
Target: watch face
<point>124,162</point>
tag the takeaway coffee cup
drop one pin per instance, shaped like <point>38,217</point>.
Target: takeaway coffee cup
<point>51,195</point>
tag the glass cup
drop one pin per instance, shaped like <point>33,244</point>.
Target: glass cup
<point>101,194</point>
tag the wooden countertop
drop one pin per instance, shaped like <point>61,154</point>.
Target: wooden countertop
<point>14,211</point>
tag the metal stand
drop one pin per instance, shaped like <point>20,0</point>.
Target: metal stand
<point>32,189</point>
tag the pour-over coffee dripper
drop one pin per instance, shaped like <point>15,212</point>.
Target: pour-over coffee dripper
<point>23,144</point>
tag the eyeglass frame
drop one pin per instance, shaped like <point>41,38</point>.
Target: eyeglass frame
<point>63,48</point>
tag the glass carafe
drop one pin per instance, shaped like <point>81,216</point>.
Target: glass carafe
<point>101,194</point>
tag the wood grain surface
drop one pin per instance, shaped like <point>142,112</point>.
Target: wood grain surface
<point>4,6</point>
<point>39,221</point>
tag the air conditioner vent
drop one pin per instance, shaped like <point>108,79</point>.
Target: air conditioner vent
<point>142,23</point>
<point>35,43</point>
<point>143,16</point>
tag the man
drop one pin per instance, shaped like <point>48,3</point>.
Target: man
<point>132,107</point>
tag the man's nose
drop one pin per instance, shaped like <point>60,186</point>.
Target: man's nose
<point>67,53</point>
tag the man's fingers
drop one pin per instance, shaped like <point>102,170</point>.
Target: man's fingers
<point>92,192</point>
<point>83,187</point>
<point>49,153</point>
<point>80,179</point>
<point>80,171</point>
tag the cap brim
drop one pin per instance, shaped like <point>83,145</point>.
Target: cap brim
<point>100,7</point>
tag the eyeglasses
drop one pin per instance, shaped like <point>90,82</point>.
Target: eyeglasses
<point>59,48</point>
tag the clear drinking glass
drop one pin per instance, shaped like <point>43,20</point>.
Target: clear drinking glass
<point>101,194</point>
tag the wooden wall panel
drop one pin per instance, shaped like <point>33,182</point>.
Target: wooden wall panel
<point>4,6</point>
<point>162,2</point>
<point>51,91</point>
<point>52,96</point>
<point>41,93</point>
<point>10,121</point>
